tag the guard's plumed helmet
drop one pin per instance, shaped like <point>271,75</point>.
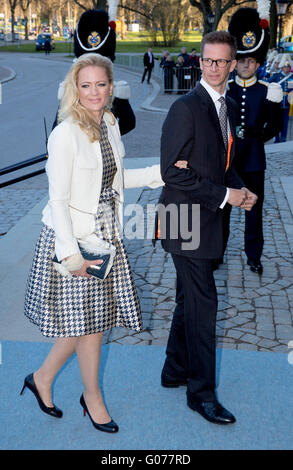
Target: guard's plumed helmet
<point>94,33</point>
<point>252,34</point>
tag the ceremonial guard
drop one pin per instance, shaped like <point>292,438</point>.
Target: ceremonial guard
<point>95,33</point>
<point>285,79</point>
<point>258,121</point>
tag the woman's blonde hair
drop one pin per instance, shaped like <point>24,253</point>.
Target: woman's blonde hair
<point>70,104</point>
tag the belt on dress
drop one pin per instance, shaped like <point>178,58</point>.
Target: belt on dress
<point>109,195</point>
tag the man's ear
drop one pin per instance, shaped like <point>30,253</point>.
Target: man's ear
<point>233,65</point>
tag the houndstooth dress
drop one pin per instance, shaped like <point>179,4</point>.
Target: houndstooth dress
<point>67,307</point>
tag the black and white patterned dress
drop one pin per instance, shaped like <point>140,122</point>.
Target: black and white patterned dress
<point>77,306</point>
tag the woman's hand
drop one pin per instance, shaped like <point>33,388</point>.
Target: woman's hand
<point>181,164</point>
<point>82,271</point>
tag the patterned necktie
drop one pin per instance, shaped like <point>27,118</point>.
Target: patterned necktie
<point>223,120</point>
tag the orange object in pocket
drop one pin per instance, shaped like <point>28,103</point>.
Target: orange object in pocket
<point>229,152</point>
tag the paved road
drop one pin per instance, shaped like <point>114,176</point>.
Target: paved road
<point>32,95</point>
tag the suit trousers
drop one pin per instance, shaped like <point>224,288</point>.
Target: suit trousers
<point>147,70</point>
<point>191,348</point>
<point>253,235</point>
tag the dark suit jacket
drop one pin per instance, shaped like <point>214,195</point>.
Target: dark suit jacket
<point>146,61</point>
<point>192,132</point>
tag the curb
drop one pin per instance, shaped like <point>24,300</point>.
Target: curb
<point>11,76</point>
<point>146,105</point>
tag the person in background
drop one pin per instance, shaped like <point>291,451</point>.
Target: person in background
<point>194,65</point>
<point>275,65</point>
<point>258,121</point>
<point>47,46</point>
<point>285,79</point>
<point>148,62</point>
<point>180,75</point>
<point>185,56</point>
<point>165,54</point>
<point>168,68</point>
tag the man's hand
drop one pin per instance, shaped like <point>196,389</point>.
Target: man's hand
<point>181,164</point>
<point>250,200</point>
<point>237,197</point>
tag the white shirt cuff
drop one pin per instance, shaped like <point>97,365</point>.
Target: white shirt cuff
<point>226,199</point>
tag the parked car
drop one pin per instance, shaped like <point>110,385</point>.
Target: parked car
<point>286,44</point>
<point>41,39</point>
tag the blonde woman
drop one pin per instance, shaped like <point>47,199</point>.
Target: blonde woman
<point>86,179</point>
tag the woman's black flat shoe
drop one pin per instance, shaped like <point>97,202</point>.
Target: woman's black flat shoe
<point>107,427</point>
<point>30,384</point>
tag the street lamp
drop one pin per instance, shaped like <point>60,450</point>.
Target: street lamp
<point>281,11</point>
<point>211,18</point>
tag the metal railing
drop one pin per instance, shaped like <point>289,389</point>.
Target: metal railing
<point>19,166</point>
<point>180,79</point>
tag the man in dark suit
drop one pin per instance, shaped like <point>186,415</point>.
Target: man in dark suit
<point>148,62</point>
<point>199,128</point>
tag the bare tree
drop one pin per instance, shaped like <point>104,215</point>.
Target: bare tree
<point>24,5</point>
<point>165,16</point>
<point>13,5</point>
<point>213,10</point>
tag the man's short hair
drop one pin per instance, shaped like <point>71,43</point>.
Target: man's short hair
<point>219,37</point>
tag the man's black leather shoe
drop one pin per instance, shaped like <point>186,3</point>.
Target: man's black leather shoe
<point>213,411</point>
<point>171,382</point>
<point>255,266</point>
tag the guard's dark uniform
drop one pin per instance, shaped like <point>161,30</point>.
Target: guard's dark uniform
<point>259,121</point>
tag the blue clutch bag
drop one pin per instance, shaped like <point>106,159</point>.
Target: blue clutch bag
<point>92,249</point>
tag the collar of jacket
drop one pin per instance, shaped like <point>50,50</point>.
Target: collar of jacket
<point>245,83</point>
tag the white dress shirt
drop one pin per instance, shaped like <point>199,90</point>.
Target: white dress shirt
<point>215,95</point>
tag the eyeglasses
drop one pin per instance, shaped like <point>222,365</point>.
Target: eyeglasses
<point>221,63</point>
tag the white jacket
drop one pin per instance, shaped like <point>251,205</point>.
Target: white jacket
<point>75,169</point>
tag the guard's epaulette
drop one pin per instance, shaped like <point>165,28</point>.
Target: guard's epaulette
<point>263,82</point>
<point>232,80</point>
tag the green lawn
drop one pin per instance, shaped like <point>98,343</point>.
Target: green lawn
<point>135,42</point>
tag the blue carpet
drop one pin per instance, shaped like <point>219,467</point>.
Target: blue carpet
<point>255,386</point>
